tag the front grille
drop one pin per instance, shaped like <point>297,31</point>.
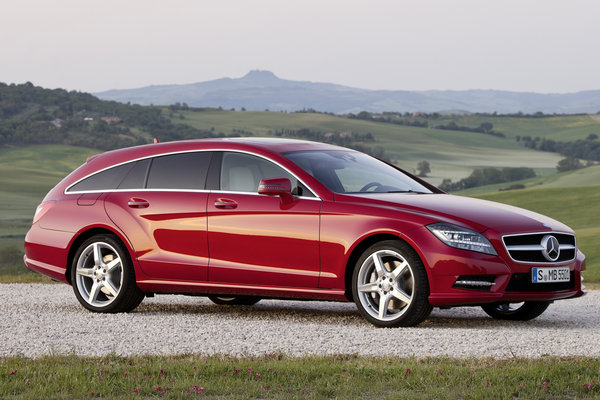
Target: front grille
<point>522,283</point>
<point>528,247</point>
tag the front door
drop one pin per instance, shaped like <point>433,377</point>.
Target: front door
<point>261,240</point>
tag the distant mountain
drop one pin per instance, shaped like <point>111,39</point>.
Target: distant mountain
<point>261,90</point>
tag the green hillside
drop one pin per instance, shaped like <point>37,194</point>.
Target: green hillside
<point>560,127</point>
<point>452,154</point>
<point>579,177</point>
<point>26,175</point>
<point>453,145</point>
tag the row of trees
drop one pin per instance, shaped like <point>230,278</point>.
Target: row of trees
<point>423,120</point>
<point>586,149</point>
<point>485,127</point>
<point>352,140</point>
<point>488,176</point>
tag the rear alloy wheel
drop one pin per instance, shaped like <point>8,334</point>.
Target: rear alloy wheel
<point>235,300</point>
<point>516,311</point>
<point>390,285</point>
<point>102,276</point>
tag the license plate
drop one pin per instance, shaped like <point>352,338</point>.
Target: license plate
<point>549,275</point>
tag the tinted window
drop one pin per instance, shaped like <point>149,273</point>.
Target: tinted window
<point>106,180</point>
<point>136,177</point>
<point>353,172</point>
<point>243,172</point>
<point>179,171</point>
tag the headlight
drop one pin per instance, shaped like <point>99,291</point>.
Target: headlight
<point>461,238</point>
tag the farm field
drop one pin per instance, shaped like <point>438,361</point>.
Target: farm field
<point>560,127</point>
<point>452,154</point>
<point>26,175</point>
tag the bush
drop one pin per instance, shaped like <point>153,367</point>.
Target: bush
<point>568,164</point>
<point>11,255</point>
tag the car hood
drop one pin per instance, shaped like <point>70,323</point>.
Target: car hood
<point>479,215</point>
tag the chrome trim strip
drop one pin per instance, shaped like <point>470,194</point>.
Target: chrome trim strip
<point>184,191</point>
<point>532,247</point>
<point>66,191</point>
<point>475,283</point>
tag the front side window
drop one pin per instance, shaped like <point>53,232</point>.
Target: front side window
<point>179,171</point>
<point>345,171</point>
<point>243,172</point>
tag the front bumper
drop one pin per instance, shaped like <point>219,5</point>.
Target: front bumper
<point>510,281</point>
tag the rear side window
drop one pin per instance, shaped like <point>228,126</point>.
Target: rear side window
<point>179,171</point>
<point>136,178</point>
<point>106,180</point>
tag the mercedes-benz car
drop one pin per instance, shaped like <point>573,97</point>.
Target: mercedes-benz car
<point>239,220</point>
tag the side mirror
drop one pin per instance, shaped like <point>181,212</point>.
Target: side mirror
<point>277,187</point>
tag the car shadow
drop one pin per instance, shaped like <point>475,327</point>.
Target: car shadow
<point>344,314</point>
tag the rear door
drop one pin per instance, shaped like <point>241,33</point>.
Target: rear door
<point>161,207</point>
<point>261,240</point>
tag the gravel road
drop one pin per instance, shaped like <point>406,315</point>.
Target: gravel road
<point>38,319</point>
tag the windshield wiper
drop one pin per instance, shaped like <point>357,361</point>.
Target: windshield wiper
<point>406,191</point>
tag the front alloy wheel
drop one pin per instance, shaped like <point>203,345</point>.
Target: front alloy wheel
<point>390,285</point>
<point>102,276</point>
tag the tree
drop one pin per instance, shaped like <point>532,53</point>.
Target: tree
<point>423,168</point>
<point>486,127</point>
<point>568,164</point>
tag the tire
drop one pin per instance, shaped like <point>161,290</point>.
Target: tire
<point>102,276</point>
<point>516,312</point>
<point>391,271</point>
<point>235,300</point>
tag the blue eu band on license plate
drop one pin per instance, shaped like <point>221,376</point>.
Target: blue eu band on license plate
<point>550,275</point>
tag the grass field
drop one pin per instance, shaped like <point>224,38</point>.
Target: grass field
<point>280,377</point>
<point>580,177</point>
<point>26,175</point>
<point>560,128</point>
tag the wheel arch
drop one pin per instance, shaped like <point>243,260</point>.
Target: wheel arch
<point>364,244</point>
<point>87,233</point>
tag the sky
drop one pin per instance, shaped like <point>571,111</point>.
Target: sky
<point>544,46</point>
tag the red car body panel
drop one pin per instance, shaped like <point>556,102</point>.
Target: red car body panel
<point>213,241</point>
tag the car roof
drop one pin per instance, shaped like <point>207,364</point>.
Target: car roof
<point>251,144</point>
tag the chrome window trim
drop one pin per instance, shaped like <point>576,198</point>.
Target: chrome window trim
<point>184,191</point>
<point>66,191</point>
<point>562,247</point>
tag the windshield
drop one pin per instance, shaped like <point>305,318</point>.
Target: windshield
<point>345,171</point>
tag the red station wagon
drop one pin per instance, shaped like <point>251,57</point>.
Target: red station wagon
<point>242,219</point>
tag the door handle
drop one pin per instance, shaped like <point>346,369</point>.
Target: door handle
<point>135,202</point>
<point>225,203</point>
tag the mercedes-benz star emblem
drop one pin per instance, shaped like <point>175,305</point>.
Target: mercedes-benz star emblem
<point>550,248</point>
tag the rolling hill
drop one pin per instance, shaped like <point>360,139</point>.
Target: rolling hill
<point>260,90</point>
